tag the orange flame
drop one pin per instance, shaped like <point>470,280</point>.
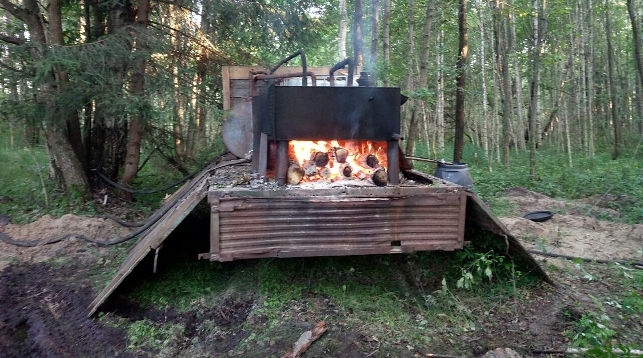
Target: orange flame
<point>362,158</point>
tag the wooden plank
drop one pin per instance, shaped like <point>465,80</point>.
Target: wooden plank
<point>186,200</point>
<point>225,74</point>
<point>462,218</point>
<point>241,72</point>
<point>152,240</point>
<point>215,232</point>
<point>479,215</point>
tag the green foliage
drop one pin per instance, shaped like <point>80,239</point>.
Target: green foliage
<point>147,334</point>
<point>593,332</point>
<point>26,192</point>
<point>182,286</point>
<point>479,269</point>
<point>598,176</point>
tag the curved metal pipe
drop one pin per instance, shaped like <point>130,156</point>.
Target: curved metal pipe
<point>304,66</point>
<point>340,65</point>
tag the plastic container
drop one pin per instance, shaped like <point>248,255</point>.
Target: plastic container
<point>457,173</point>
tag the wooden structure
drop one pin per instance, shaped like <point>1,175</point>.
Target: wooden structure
<point>424,214</point>
<point>335,221</point>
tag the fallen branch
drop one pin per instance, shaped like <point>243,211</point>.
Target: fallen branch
<point>305,340</point>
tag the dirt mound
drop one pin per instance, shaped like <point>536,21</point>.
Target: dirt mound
<point>47,228</point>
<point>569,232</point>
<point>45,314</point>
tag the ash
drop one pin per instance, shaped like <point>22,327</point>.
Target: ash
<point>243,175</point>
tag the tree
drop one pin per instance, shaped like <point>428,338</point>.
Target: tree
<point>358,50</point>
<point>460,81</point>
<point>343,29</point>
<point>611,79</point>
<point>534,87</point>
<point>637,39</point>
<point>61,124</point>
<point>137,88</point>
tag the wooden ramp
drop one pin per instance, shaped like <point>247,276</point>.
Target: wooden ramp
<point>480,217</point>
<point>176,209</point>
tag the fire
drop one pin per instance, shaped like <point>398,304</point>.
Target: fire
<point>336,160</point>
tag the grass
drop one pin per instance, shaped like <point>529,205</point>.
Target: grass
<point>27,192</point>
<point>616,184</point>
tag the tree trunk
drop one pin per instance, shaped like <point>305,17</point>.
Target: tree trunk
<point>420,115</point>
<point>137,85</point>
<point>611,79</point>
<point>409,110</point>
<point>460,81</point>
<point>502,63</point>
<point>67,169</point>
<point>532,114</point>
<point>358,51</point>
<point>343,29</point>
<point>179,121</point>
<point>440,100</point>
<point>483,73</point>
<point>375,25</point>
<point>386,38</point>
<point>637,39</point>
<point>520,103</point>
<point>591,91</point>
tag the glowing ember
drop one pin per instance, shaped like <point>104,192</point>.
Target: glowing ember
<point>335,160</point>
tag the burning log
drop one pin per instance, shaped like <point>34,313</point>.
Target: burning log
<point>295,174</point>
<point>380,177</point>
<point>346,170</point>
<point>310,168</point>
<point>320,159</point>
<point>340,155</point>
<point>325,173</point>
<point>372,161</point>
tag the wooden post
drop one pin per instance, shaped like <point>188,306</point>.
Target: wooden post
<point>393,161</point>
<point>281,168</point>
<point>215,235</point>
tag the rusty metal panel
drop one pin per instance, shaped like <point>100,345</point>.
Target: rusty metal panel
<point>313,225</point>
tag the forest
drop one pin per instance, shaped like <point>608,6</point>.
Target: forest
<point>107,106</point>
<point>106,84</point>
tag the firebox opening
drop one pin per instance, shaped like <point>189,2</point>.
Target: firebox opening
<point>396,243</point>
<point>335,160</point>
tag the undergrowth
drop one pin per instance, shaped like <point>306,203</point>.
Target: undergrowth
<point>615,184</point>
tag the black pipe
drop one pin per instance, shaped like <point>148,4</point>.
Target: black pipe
<point>340,65</point>
<point>304,79</point>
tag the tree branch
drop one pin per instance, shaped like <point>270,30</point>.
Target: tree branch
<point>18,12</point>
<point>11,39</point>
<point>8,67</point>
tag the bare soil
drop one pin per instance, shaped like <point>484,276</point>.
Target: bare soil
<point>45,292</point>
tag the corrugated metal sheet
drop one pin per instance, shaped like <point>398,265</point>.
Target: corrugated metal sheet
<point>341,224</point>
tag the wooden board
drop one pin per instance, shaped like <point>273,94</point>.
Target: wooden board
<point>182,203</point>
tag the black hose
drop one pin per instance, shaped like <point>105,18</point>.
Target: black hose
<point>116,185</point>
<point>587,259</point>
<point>145,226</point>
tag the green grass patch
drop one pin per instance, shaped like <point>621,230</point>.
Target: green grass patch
<point>183,285</point>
